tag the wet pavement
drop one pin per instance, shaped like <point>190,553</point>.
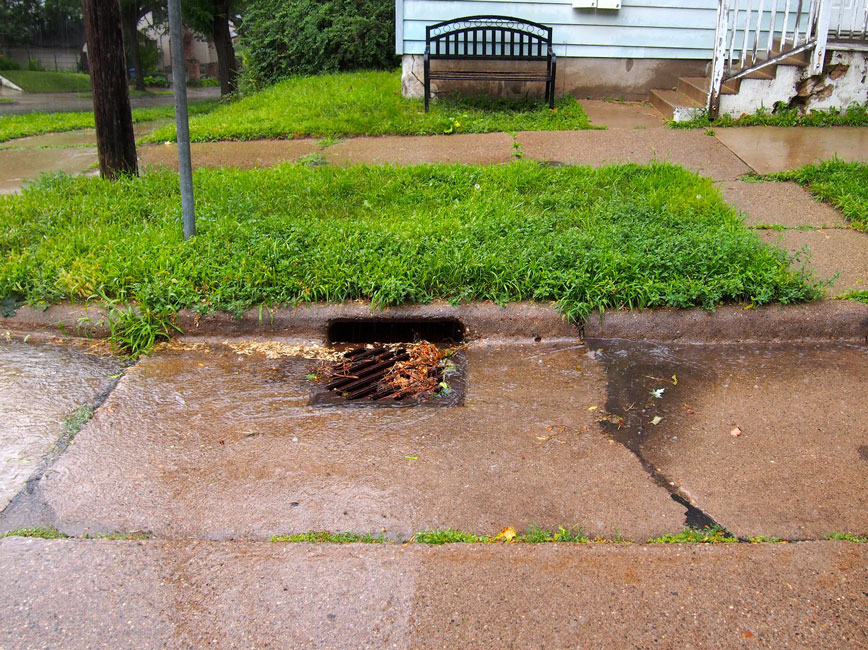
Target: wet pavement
<point>74,102</point>
<point>19,166</point>
<point>839,255</point>
<point>764,439</point>
<point>206,440</point>
<point>155,594</point>
<point>40,386</point>
<point>622,115</point>
<point>780,204</point>
<point>770,149</point>
<point>213,444</point>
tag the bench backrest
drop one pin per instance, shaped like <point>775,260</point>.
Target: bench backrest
<point>488,37</point>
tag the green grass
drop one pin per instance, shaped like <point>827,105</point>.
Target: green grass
<point>858,296</point>
<point>585,239</point>
<point>853,115</point>
<point>21,126</point>
<point>76,420</point>
<point>48,82</point>
<point>41,533</point>
<point>843,184</point>
<point>5,99</point>
<point>707,535</point>
<point>368,103</point>
<point>848,537</point>
<point>324,536</point>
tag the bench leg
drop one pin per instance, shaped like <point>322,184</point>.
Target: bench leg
<point>427,83</point>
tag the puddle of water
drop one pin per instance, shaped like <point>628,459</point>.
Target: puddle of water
<point>40,385</point>
<point>18,165</point>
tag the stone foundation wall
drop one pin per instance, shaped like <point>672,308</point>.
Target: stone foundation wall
<point>630,79</point>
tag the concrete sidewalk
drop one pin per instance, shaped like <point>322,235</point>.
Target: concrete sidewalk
<point>188,594</point>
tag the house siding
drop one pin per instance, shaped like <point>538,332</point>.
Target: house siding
<point>641,29</point>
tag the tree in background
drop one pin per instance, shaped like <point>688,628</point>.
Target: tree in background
<point>283,38</point>
<point>31,22</point>
<point>132,12</point>
<point>211,18</point>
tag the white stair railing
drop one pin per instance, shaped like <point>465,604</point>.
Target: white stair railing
<point>753,34</point>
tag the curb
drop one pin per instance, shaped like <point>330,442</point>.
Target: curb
<point>827,320</point>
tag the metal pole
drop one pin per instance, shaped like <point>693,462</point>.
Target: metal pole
<point>182,124</point>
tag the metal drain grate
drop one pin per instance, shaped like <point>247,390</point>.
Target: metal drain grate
<point>395,374</point>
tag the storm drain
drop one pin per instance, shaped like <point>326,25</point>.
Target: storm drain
<point>393,374</point>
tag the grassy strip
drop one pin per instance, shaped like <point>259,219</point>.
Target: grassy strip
<point>629,236</point>
<point>858,296</point>
<point>707,535</point>
<point>853,115</point>
<point>843,184</point>
<point>368,103</point>
<point>533,535</point>
<point>27,124</point>
<point>848,537</point>
<point>48,82</point>
<point>41,533</point>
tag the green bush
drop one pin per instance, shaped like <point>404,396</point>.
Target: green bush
<point>35,66</point>
<point>8,64</point>
<point>156,81</point>
<point>305,37</point>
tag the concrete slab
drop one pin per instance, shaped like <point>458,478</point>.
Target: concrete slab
<point>244,155</point>
<point>17,166</point>
<point>40,385</point>
<point>622,115</point>
<point>769,149</point>
<point>81,593</point>
<point>212,443</point>
<point>469,148</point>
<point>692,149</point>
<point>783,204</point>
<point>799,466</point>
<point>830,252</point>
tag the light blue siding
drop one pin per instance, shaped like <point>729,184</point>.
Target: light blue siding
<point>659,29</point>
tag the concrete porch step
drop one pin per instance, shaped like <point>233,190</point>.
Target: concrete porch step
<point>697,88</point>
<point>675,105</point>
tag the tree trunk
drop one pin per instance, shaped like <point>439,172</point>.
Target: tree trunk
<point>115,140</point>
<point>130,18</point>
<point>227,71</point>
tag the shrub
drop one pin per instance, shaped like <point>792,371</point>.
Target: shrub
<point>156,81</point>
<point>8,64</point>
<point>304,37</point>
<point>35,66</point>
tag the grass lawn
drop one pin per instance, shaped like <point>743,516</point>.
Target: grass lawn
<point>368,103</point>
<point>843,184</point>
<point>21,126</point>
<point>587,239</point>
<point>48,82</point>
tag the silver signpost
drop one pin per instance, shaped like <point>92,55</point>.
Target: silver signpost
<point>182,125</point>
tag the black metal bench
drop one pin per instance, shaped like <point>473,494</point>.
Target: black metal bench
<point>490,38</point>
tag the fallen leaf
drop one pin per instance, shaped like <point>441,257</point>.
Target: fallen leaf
<point>674,380</point>
<point>689,410</point>
<point>747,635</point>
<point>507,534</point>
<point>658,393</point>
<point>411,457</point>
<point>735,431</point>
<point>657,420</point>
<point>592,408</point>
